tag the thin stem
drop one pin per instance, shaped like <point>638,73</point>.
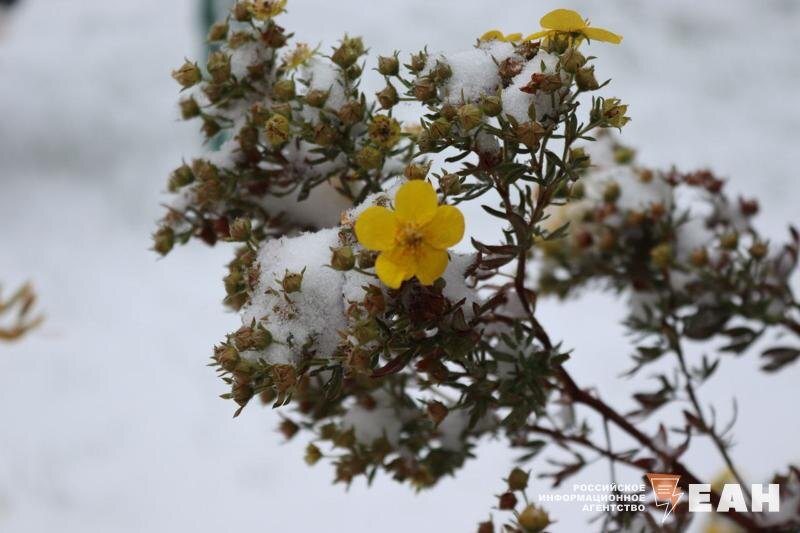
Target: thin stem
<point>715,437</point>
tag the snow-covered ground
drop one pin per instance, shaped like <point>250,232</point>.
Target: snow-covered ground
<point>109,419</point>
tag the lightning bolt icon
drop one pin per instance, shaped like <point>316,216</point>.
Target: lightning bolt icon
<point>666,492</point>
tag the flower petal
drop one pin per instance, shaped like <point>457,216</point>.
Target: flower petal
<point>492,35</point>
<point>537,35</point>
<point>395,266</point>
<point>431,264</point>
<point>563,20</point>
<point>416,202</point>
<point>513,37</point>
<point>446,229</point>
<point>599,34</point>
<point>376,228</point>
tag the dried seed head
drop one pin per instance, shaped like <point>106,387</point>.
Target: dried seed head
<point>317,97</point>
<point>292,281</point>
<point>518,479</point>
<point>491,105</point>
<point>164,240</point>
<point>533,519</point>
<point>218,31</point>
<point>437,412</point>
<point>343,258</point>
<point>470,116</point>
<point>283,90</point>
<point>415,171</point>
<point>388,97</point>
<point>240,229</point>
<point>219,66</point>
<point>351,112</point>
<point>369,158</point>
<point>388,65</point>
<point>277,130</point>
<point>424,90</point>
<point>189,108</point>
<point>507,501</point>
<point>187,75</point>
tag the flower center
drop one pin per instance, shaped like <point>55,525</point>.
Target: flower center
<point>409,236</point>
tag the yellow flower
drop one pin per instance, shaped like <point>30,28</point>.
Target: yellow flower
<point>266,9</point>
<point>414,238</point>
<point>497,35</point>
<point>298,56</point>
<point>569,21</point>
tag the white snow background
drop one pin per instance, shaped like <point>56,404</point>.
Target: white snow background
<point>109,418</point>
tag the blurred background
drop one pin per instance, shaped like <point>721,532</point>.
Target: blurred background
<point>109,418</point>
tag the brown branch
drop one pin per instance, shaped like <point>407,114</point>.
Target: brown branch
<point>583,441</point>
<point>687,477</point>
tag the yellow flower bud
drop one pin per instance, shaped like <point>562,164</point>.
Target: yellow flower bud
<point>277,130</point>
<point>661,255</point>
<point>180,177</point>
<point>585,80</point>
<point>317,97</point>
<point>240,229</point>
<point>418,62</point>
<point>325,135</point>
<point>369,158</point>
<point>611,192</point>
<point>241,11</point>
<point>439,128</point>
<point>613,113</point>
<point>189,108</point>
<point>518,479</point>
<point>579,158</point>
<point>348,52</point>
<point>388,65</point>
<point>469,116</point>
<point>450,184</point>
<point>288,428</point>
<point>210,126</point>
<point>218,32</point>
<point>219,66</point>
<point>313,455</point>
<point>366,259</point>
<point>491,105</point>
<point>729,241</point>
<point>227,357</point>
<point>387,97</point>
<point>424,90</point>
<point>283,90</point>
<point>292,281</point>
<point>384,130</point>
<point>261,338</point>
<point>187,75</point>
<point>572,60</point>
<point>758,250</point>
<point>343,258</point>
<point>699,257</point>
<point>416,171</point>
<point>437,412</point>
<point>530,134</point>
<point>624,155</point>
<point>351,112</point>
<point>441,73</point>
